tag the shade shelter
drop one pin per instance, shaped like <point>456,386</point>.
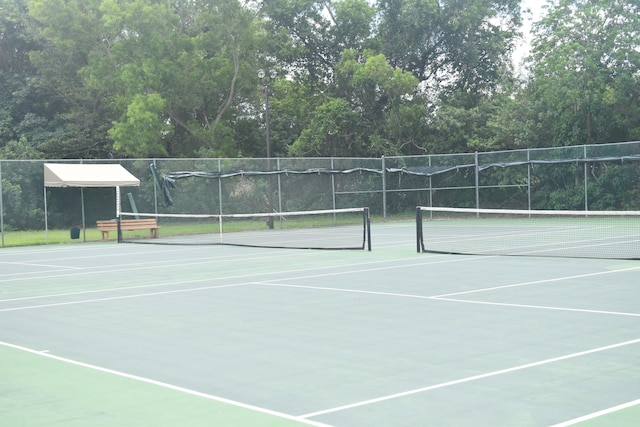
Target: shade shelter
<point>86,175</point>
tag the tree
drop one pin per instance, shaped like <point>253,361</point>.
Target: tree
<point>292,107</point>
<point>71,31</point>
<point>100,78</point>
<point>196,56</point>
<point>168,77</point>
<point>309,36</point>
<point>450,45</point>
<point>29,113</point>
<point>332,132</point>
<point>585,77</point>
<point>374,109</point>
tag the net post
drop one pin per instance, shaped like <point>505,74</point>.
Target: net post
<point>418,229</point>
<point>367,225</point>
<point>118,221</point>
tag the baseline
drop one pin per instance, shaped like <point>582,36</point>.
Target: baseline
<point>598,414</point>
<point>109,268</point>
<point>244,276</point>
<point>164,385</point>
<point>538,282</point>
<point>470,379</point>
<point>121,297</point>
<point>538,307</point>
<point>435,298</point>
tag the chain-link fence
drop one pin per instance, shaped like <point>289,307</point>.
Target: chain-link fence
<point>589,177</point>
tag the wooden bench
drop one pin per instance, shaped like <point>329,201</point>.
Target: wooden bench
<point>105,226</point>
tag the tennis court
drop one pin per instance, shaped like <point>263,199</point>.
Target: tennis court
<point>107,334</point>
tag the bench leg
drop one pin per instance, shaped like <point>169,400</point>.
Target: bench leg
<point>105,235</point>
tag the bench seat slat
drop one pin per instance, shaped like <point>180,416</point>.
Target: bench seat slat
<point>105,226</point>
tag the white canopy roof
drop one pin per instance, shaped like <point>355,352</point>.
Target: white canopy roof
<point>88,175</point>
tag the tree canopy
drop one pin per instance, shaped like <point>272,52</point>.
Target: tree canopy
<point>140,78</point>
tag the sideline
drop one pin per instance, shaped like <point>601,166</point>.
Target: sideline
<point>598,414</point>
<point>469,379</point>
<point>164,385</point>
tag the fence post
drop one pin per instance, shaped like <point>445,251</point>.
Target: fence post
<point>477,183</point>
<point>220,225</point>
<point>219,187</point>
<point>279,186</point>
<point>430,187</point>
<point>333,186</point>
<point>586,179</point>
<point>529,178</point>
<point>1,209</point>
<point>384,189</point>
<point>153,165</point>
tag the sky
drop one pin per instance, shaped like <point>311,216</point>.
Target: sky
<point>524,46</point>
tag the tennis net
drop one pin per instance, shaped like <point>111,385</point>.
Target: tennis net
<point>321,229</point>
<point>570,234</point>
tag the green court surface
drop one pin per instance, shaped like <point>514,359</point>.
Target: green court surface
<point>41,391</point>
<point>108,334</point>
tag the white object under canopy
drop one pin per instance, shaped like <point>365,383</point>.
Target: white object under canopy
<point>86,175</point>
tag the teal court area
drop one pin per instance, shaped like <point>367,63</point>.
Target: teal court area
<point>107,334</point>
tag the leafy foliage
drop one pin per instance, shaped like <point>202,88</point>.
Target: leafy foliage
<point>585,80</point>
<point>138,78</point>
<point>29,111</point>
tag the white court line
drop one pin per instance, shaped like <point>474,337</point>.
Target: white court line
<point>102,269</point>
<point>598,414</point>
<point>351,291</point>
<point>245,276</point>
<point>437,298</point>
<point>178,283</point>
<point>368,270</point>
<point>271,283</point>
<point>539,307</point>
<point>164,385</point>
<point>203,260</point>
<point>129,254</point>
<point>123,288</point>
<point>109,268</point>
<point>537,282</point>
<point>33,264</point>
<point>102,248</point>
<point>148,294</point>
<point>469,379</point>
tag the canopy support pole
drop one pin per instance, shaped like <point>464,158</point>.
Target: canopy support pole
<point>46,215</point>
<point>118,201</point>
<point>84,227</point>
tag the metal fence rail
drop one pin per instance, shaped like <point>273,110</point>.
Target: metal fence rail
<point>586,177</point>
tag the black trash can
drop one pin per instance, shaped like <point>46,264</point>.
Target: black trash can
<point>75,233</point>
